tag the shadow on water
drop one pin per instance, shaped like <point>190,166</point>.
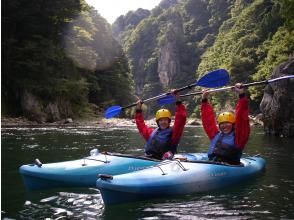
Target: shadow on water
<point>270,196</point>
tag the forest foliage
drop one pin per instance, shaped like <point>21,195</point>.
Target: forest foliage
<point>64,50</point>
<point>246,37</point>
<point>60,50</point>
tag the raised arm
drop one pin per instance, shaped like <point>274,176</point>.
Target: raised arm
<point>208,118</point>
<point>144,130</point>
<point>178,128</point>
<point>242,127</point>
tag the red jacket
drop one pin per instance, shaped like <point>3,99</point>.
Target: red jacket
<point>177,130</point>
<point>242,127</point>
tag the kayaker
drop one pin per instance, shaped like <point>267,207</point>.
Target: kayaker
<point>162,142</point>
<point>227,142</point>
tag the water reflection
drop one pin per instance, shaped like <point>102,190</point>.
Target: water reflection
<point>64,205</point>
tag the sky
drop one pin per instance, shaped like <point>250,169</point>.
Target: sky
<point>111,9</point>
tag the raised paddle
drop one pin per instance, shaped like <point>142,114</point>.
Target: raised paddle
<point>212,79</point>
<point>170,99</point>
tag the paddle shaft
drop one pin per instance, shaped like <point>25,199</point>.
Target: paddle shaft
<point>146,100</point>
<point>162,95</point>
<point>212,79</point>
<point>191,86</point>
<point>243,86</point>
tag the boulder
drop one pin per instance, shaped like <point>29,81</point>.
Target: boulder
<point>277,105</point>
<point>52,112</point>
<point>38,110</point>
<point>194,122</point>
<point>32,107</point>
<point>68,120</point>
<point>256,120</point>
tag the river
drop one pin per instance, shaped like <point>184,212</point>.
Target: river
<point>269,196</point>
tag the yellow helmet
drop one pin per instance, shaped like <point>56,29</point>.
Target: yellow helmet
<point>226,117</point>
<point>163,113</point>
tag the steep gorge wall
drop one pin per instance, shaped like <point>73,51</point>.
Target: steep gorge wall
<point>164,49</point>
<point>277,104</point>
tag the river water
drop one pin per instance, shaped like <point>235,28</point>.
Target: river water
<point>269,196</point>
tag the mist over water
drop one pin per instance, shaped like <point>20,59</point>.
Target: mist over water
<point>270,196</point>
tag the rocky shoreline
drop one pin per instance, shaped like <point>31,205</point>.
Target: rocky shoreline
<point>7,122</point>
<point>99,122</point>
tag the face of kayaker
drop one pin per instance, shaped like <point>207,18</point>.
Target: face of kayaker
<point>163,123</point>
<point>226,127</point>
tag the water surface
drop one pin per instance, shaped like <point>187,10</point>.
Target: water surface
<point>270,196</point>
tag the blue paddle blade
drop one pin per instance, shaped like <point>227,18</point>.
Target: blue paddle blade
<point>214,79</point>
<point>112,111</point>
<point>166,100</point>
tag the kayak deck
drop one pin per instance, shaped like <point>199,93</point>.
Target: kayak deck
<point>84,172</point>
<point>170,178</point>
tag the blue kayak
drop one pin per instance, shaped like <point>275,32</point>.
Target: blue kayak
<point>174,177</point>
<point>84,172</point>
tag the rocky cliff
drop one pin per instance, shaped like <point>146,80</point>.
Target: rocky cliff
<point>277,104</point>
<point>162,45</point>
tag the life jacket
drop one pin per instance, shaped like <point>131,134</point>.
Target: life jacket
<point>222,148</point>
<point>158,142</point>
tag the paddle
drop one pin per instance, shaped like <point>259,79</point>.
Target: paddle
<point>212,79</point>
<point>170,99</point>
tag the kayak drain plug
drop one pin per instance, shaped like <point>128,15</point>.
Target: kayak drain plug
<point>105,177</point>
<point>38,162</point>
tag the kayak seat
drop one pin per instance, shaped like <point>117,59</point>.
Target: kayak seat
<point>105,177</point>
<point>217,163</point>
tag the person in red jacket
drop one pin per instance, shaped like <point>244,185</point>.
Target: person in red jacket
<point>162,142</point>
<point>227,142</point>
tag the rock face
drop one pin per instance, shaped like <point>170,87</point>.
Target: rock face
<point>36,110</point>
<point>277,104</point>
<point>32,108</point>
<point>169,62</point>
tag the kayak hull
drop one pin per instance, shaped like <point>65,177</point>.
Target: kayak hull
<point>83,172</point>
<point>79,173</point>
<point>176,178</point>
